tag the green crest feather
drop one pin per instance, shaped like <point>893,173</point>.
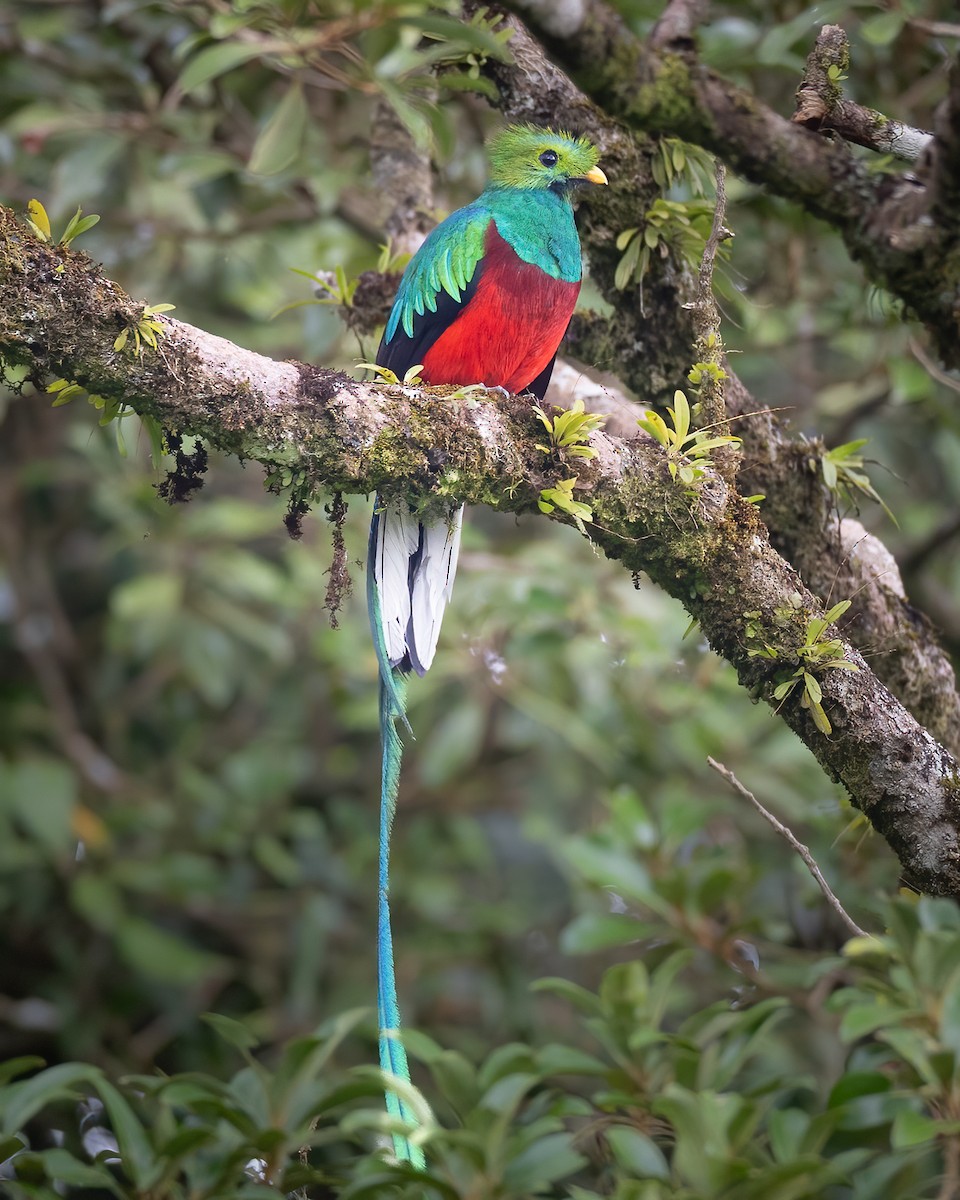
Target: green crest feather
<point>531,157</point>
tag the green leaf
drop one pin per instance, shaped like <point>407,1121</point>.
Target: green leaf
<point>705,445</point>
<point>856,1084</point>
<point>911,1128</point>
<point>586,1001</point>
<point>139,1160</point>
<point>19,1066</point>
<point>548,1159</point>
<point>470,34</point>
<point>949,1024</point>
<point>835,613</point>
<point>784,689</point>
<point>590,932</point>
<point>233,1032</point>
<point>67,394</point>
<point>216,60</point>
<point>627,265</point>
<point>21,1101</point>
<point>812,687</point>
<point>787,1127</point>
<point>279,142</point>
<point>611,867</point>
<point>867,947</point>
<point>820,718</point>
<point>681,416</point>
<point>42,794</point>
<point>859,1020</point>
<point>624,238</point>
<point>64,1168</point>
<point>815,629</point>
<point>556,1059</point>
<point>882,28</point>
<point>78,226</point>
<point>656,426</point>
<point>637,1153</point>
<point>411,116</point>
<point>160,955</point>
<point>39,219</point>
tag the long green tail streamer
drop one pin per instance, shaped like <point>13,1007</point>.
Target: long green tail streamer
<point>393,1057</point>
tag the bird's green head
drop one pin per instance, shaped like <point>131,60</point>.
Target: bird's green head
<point>531,158</point>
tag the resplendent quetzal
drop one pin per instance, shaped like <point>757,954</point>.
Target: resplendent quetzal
<point>485,300</point>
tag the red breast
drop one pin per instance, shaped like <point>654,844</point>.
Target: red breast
<point>510,328</point>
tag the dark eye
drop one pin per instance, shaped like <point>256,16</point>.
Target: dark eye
<point>549,158</point>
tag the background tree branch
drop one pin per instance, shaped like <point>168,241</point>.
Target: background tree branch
<point>821,105</point>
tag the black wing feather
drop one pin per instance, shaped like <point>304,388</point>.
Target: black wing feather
<point>542,382</point>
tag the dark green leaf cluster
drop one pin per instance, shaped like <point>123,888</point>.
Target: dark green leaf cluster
<point>668,1099</point>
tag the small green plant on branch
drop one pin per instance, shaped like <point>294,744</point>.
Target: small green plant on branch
<point>335,288</point>
<point>842,469</point>
<point>569,430</point>
<point>145,330</point>
<point>677,164</point>
<point>568,434</point>
<point>111,410</point>
<point>410,378</point>
<point>495,35</point>
<point>702,373</point>
<point>39,222</point>
<point>817,655</point>
<point>677,226</point>
<point>688,451</point>
<point>561,497</point>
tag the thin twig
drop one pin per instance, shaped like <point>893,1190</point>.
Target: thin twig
<point>709,345</point>
<point>800,848</point>
<point>718,233</point>
<point>935,28</point>
<point>923,358</point>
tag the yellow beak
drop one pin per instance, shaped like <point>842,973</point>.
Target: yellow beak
<point>595,175</point>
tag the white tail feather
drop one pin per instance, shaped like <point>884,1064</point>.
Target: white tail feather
<point>431,587</point>
<point>398,536</point>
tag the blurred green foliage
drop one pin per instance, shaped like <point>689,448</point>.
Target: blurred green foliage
<point>188,755</point>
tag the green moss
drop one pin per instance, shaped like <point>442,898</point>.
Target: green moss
<point>665,101</point>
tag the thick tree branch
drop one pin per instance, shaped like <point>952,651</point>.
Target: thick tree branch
<point>707,547</point>
<point>885,221</point>
<point>945,170</point>
<point>403,178</point>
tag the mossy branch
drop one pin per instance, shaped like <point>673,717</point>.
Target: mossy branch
<point>821,105</point>
<point>60,316</point>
